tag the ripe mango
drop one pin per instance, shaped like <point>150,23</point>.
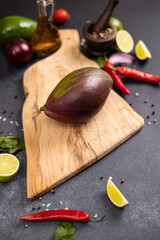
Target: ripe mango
<point>79,96</point>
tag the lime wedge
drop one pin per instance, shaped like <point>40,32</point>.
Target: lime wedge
<point>115,195</point>
<point>124,41</point>
<point>9,166</point>
<point>141,51</point>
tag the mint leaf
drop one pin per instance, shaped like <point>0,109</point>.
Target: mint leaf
<point>65,231</point>
<point>100,61</point>
<point>10,144</point>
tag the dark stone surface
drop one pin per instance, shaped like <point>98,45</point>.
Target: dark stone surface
<point>137,160</point>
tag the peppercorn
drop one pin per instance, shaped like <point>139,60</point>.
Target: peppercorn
<point>122,181</point>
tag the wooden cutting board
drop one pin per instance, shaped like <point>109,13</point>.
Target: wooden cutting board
<point>57,151</point>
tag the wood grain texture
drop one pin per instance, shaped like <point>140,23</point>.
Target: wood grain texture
<point>57,151</point>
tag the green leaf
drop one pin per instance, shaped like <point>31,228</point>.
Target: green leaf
<point>10,144</point>
<point>3,150</point>
<point>100,61</point>
<point>20,146</point>
<point>65,231</point>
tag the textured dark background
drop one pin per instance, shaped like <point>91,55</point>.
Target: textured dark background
<point>137,160</point>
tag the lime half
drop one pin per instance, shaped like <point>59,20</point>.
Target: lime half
<point>124,41</point>
<point>141,51</point>
<point>115,195</point>
<point>117,23</point>
<point>9,166</point>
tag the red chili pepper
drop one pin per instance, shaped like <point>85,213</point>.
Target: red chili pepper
<point>109,68</point>
<point>59,215</point>
<point>136,74</point>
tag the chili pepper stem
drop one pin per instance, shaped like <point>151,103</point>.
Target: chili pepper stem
<point>94,220</point>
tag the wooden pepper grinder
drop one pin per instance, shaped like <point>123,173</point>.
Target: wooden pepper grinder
<point>100,46</point>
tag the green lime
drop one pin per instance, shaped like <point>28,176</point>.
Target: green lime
<point>16,27</point>
<point>9,166</point>
<point>117,23</point>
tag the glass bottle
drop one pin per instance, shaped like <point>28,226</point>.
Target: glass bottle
<point>45,39</point>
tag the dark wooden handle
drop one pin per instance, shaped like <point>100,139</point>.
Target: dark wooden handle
<point>103,20</point>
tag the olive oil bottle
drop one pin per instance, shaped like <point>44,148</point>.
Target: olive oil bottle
<point>45,39</point>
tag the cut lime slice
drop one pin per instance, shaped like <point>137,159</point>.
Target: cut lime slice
<point>141,51</point>
<point>115,195</point>
<point>9,166</point>
<point>124,41</point>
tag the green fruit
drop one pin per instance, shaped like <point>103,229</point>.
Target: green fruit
<point>117,23</point>
<point>16,27</point>
<point>9,166</point>
<point>124,42</point>
<point>78,96</point>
